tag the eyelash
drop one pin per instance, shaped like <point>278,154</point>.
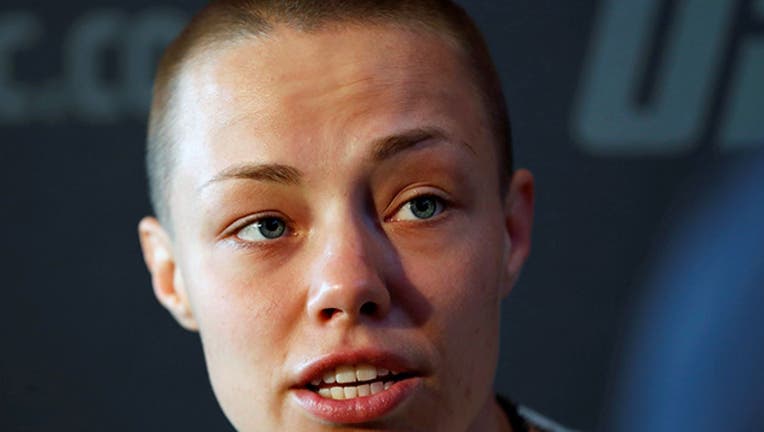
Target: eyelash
<point>445,204</point>
<point>233,231</point>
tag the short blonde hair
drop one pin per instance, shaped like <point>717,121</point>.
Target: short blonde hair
<point>225,21</point>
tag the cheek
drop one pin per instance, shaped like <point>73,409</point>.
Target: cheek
<point>462,275</point>
<point>238,294</point>
<point>463,287</point>
<point>469,300</point>
<point>228,305</point>
<point>472,332</point>
<point>243,323</point>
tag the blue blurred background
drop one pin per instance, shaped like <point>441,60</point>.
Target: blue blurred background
<point>620,108</point>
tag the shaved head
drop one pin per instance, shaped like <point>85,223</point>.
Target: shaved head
<point>332,180</point>
<point>226,22</point>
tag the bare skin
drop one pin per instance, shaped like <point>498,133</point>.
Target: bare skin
<point>337,192</point>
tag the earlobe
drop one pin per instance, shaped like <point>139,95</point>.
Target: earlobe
<point>166,278</point>
<point>518,221</point>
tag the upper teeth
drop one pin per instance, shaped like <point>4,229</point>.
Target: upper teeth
<point>350,374</point>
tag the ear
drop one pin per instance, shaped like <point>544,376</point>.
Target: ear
<point>165,275</point>
<point>518,222</point>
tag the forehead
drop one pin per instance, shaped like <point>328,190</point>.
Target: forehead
<point>289,90</point>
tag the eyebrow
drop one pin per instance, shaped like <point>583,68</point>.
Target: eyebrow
<point>275,173</point>
<point>390,146</point>
<point>382,149</point>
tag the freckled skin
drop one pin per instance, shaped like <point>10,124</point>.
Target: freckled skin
<point>316,102</point>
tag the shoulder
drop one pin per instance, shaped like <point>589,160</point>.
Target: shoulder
<point>524,419</point>
<point>540,423</point>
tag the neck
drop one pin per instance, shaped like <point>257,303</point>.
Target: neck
<point>491,418</point>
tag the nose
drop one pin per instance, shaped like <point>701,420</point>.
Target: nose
<point>348,276</point>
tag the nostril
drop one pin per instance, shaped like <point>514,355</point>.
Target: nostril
<point>366,309</point>
<point>369,308</point>
<point>328,313</point>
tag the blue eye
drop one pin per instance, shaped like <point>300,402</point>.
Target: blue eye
<point>420,208</point>
<point>267,228</point>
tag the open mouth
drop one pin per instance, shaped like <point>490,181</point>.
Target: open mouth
<point>355,381</point>
<point>356,387</point>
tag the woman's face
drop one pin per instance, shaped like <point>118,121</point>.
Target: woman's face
<point>340,238</point>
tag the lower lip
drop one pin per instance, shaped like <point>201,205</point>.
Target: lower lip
<point>360,409</point>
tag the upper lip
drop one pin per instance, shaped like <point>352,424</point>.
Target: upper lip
<point>314,369</point>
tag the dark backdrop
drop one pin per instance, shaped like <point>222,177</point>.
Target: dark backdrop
<point>616,106</point>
